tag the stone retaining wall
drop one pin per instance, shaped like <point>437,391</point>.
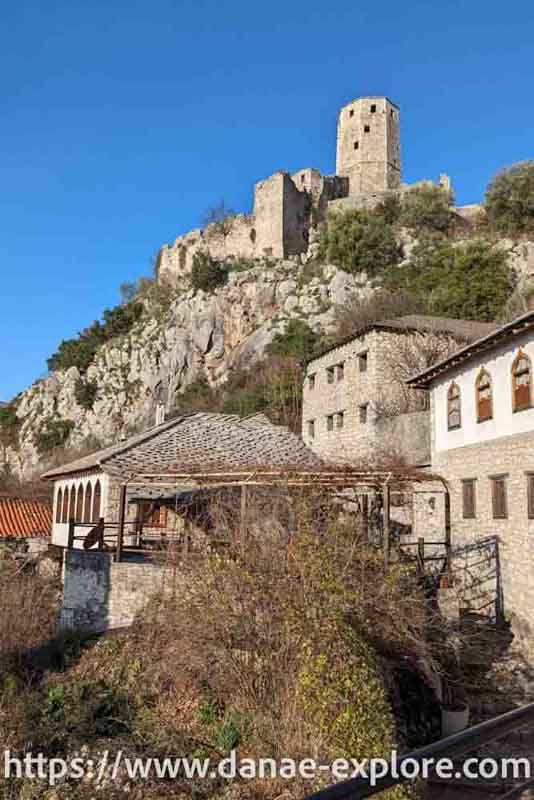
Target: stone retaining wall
<point>100,595</point>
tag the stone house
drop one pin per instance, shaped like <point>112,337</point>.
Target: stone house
<point>101,592</point>
<point>356,405</point>
<point>482,443</point>
<point>88,488</point>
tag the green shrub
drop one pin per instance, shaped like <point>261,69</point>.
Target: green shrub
<point>155,294</point>
<point>85,393</point>
<point>510,199</point>
<point>54,433</point>
<point>245,401</point>
<point>470,280</point>
<point>389,209</point>
<point>426,209</point>
<point>198,396</point>
<point>81,351</point>
<point>241,265</point>
<point>298,341</point>
<point>207,274</point>
<point>360,241</point>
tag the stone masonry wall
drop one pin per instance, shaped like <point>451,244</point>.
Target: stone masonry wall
<point>512,456</point>
<point>361,436</point>
<point>239,242</point>
<point>100,595</point>
<point>408,434</point>
<point>368,145</point>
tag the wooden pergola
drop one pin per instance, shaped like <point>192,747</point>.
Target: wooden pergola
<point>383,481</point>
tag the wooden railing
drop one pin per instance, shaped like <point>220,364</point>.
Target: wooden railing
<point>453,746</point>
<point>110,537</point>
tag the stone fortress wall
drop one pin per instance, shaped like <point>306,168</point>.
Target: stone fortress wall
<point>289,209</point>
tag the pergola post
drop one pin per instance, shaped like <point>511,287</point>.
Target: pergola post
<point>70,540</point>
<point>122,517</point>
<point>243,518</point>
<point>448,538</point>
<point>386,499</point>
<point>185,540</point>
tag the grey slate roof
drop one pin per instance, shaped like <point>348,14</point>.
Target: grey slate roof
<point>464,330</point>
<point>486,342</point>
<point>197,441</point>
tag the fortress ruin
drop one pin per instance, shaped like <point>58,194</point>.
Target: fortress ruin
<point>289,209</point>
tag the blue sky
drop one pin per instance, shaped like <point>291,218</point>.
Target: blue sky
<point>122,122</point>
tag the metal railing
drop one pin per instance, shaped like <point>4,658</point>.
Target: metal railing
<point>457,745</point>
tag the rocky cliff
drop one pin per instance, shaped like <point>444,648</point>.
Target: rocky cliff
<point>200,335</point>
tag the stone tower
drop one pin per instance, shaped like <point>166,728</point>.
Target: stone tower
<point>368,145</point>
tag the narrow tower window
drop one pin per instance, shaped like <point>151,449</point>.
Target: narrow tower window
<point>366,128</point>
<point>356,145</point>
<point>373,109</point>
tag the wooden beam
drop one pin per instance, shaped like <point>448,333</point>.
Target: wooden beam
<point>70,540</point>
<point>386,499</point>
<point>122,517</point>
<point>243,519</point>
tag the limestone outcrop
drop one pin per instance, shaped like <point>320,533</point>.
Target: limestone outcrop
<point>201,336</point>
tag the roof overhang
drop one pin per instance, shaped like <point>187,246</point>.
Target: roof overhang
<point>424,380</point>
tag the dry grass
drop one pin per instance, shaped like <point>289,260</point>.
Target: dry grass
<point>272,642</point>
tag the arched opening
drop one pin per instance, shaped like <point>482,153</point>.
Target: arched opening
<point>87,508</point>
<point>59,505</point>
<point>484,396</point>
<point>454,407</point>
<point>65,515</point>
<point>521,382</point>
<point>96,502</point>
<point>79,504</point>
<point>72,503</point>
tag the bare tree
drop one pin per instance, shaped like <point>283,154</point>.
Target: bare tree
<point>412,353</point>
<point>381,304</point>
<point>220,215</point>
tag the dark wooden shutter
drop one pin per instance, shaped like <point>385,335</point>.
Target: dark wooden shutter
<point>530,490</point>
<point>468,491</point>
<point>500,510</point>
<point>522,395</point>
<point>484,408</point>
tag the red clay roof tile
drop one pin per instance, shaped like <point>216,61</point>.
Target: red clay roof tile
<point>24,519</point>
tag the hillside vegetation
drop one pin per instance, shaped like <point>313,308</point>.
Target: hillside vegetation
<point>234,336</point>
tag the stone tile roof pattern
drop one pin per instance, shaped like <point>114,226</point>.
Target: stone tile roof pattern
<point>24,519</point>
<point>196,441</point>
<point>462,329</point>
